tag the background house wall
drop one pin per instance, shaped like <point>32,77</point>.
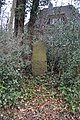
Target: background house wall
<point>51,14</point>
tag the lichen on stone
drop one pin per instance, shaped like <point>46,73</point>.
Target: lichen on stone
<point>39,59</point>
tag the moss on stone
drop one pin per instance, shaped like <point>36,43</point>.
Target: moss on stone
<point>39,59</point>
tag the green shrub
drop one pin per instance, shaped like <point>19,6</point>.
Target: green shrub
<point>9,84</point>
<point>13,67</point>
<point>64,47</point>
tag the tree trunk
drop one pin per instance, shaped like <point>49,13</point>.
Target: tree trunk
<point>19,17</point>
<point>16,20</point>
<point>33,16</point>
<point>12,16</point>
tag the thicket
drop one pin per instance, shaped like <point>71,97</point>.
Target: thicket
<point>12,69</point>
<point>63,55</point>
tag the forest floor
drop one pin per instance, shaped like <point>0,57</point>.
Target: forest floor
<point>42,106</point>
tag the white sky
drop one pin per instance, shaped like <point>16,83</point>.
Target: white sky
<point>60,2</point>
<point>56,3</point>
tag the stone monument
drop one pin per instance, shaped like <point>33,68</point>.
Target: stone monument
<point>39,58</point>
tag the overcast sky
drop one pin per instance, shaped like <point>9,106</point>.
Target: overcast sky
<point>60,2</point>
<point>56,3</point>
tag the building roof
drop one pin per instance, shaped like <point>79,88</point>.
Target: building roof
<point>69,11</point>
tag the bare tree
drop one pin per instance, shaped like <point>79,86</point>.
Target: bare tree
<point>12,16</point>
<point>33,16</point>
<point>19,17</point>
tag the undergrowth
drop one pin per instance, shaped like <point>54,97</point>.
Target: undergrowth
<point>63,58</point>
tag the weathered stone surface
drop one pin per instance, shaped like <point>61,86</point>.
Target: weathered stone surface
<point>39,59</point>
